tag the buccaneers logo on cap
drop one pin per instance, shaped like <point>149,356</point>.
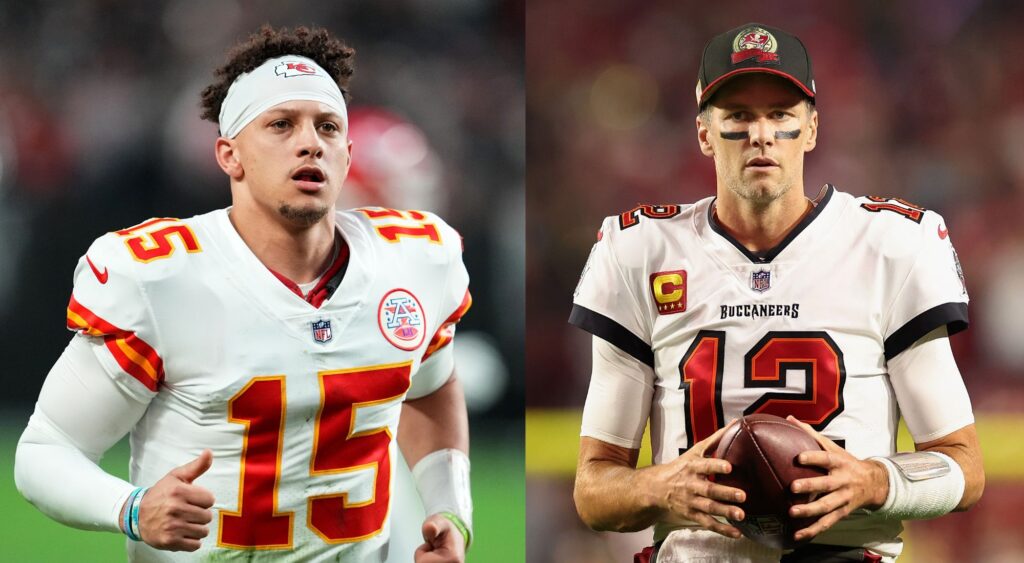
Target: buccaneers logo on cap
<point>755,43</point>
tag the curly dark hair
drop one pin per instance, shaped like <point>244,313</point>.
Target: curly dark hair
<point>332,54</point>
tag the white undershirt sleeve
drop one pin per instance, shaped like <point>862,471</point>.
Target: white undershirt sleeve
<point>434,372</point>
<point>929,389</point>
<point>80,414</point>
<point>619,399</point>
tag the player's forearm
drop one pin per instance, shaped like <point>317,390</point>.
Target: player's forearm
<point>616,498</point>
<point>434,438</point>
<point>64,484</point>
<point>974,474</point>
<point>434,422</point>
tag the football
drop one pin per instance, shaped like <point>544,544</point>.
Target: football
<point>763,449</point>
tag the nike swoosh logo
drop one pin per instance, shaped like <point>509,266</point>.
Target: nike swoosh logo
<point>943,233</point>
<point>102,276</point>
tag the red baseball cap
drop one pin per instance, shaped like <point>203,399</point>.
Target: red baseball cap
<point>753,47</point>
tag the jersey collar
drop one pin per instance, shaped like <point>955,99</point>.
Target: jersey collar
<point>767,256</point>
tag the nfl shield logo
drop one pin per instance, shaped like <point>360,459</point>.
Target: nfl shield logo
<point>761,280</point>
<point>322,331</point>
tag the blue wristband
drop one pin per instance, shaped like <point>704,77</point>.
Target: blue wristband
<point>126,519</point>
<point>136,531</point>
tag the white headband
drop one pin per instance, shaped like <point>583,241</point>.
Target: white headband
<point>277,81</point>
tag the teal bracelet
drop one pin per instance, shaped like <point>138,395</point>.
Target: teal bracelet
<point>136,531</point>
<point>126,521</point>
<point>466,534</point>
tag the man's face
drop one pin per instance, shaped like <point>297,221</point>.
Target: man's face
<point>758,132</point>
<point>295,157</point>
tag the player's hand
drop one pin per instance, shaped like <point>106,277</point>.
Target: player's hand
<point>174,512</point>
<point>850,484</point>
<point>443,542</point>
<point>687,492</point>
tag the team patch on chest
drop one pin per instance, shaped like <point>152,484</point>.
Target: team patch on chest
<point>401,319</point>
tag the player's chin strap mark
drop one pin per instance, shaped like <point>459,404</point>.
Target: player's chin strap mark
<point>741,135</point>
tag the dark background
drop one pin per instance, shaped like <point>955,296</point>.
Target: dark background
<point>917,99</point>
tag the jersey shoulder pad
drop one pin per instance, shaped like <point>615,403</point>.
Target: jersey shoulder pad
<point>642,231</point>
<point>154,249</point>
<point>112,275</point>
<point>412,233</point>
<point>897,227</point>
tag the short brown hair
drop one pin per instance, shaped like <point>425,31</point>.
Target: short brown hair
<point>317,44</point>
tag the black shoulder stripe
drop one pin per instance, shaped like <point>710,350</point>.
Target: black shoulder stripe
<point>611,331</point>
<point>953,315</point>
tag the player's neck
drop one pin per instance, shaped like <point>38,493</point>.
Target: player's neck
<point>299,254</point>
<point>760,228</point>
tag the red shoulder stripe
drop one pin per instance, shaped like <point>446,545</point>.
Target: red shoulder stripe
<point>134,355</point>
<point>446,331</point>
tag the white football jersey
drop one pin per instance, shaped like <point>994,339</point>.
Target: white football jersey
<point>299,404</point>
<point>804,329</point>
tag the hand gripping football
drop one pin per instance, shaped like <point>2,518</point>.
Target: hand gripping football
<point>763,449</point>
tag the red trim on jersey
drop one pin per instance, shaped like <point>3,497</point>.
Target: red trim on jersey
<point>318,294</point>
<point>134,355</point>
<point>446,332</point>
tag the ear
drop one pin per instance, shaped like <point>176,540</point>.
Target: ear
<point>812,139</point>
<point>226,151</point>
<point>702,139</point>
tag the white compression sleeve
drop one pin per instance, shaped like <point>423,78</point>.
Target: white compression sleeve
<point>931,394</point>
<point>619,399</point>
<point>80,414</point>
<point>442,479</point>
<point>434,372</point>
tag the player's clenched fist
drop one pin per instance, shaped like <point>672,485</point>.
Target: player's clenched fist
<point>686,491</point>
<point>174,513</point>
<point>444,542</point>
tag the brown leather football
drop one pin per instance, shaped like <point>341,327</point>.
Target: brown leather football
<point>762,449</point>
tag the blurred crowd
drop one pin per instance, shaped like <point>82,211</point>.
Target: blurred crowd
<point>100,129</point>
<point>917,99</point>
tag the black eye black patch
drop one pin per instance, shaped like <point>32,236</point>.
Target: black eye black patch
<point>737,136</point>
<point>740,135</point>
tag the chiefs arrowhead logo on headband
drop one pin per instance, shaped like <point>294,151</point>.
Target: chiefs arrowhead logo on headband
<point>755,43</point>
<point>296,68</point>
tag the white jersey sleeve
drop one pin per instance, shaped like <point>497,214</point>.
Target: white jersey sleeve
<point>931,394</point>
<point>108,303</point>
<point>932,293</point>
<point>608,301</point>
<point>619,399</point>
<point>438,360</point>
<point>80,414</point>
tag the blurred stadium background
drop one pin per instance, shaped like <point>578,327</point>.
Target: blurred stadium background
<point>918,99</point>
<point>99,129</point>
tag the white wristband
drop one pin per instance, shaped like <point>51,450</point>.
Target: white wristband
<point>921,485</point>
<point>442,479</point>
